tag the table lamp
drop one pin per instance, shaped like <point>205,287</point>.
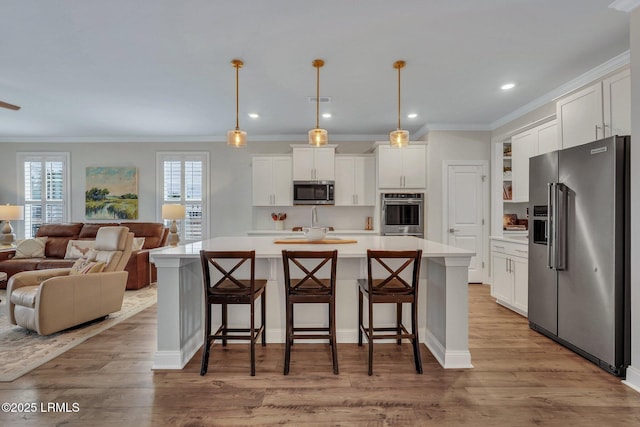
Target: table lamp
<point>173,212</point>
<point>7,213</point>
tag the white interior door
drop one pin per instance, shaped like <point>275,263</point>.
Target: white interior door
<point>465,201</point>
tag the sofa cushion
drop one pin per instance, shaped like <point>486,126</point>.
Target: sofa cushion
<point>30,248</point>
<point>58,235</point>
<point>138,243</point>
<point>47,263</point>
<point>84,266</point>
<point>90,230</point>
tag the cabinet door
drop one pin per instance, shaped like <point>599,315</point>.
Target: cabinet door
<point>345,191</point>
<point>303,164</point>
<point>617,104</point>
<point>520,268</point>
<point>389,167</point>
<point>502,283</point>
<point>262,185</point>
<point>580,117</point>
<point>282,185</point>
<point>523,146</point>
<point>365,183</point>
<point>414,166</point>
<point>547,137</point>
<point>324,164</point>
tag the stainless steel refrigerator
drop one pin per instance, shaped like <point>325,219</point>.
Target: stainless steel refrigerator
<point>579,250</point>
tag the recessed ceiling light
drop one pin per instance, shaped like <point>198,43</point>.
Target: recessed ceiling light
<point>254,115</point>
<point>412,116</point>
<point>326,115</point>
<point>508,86</point>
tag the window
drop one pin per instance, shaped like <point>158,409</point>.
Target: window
<point>43,189</point>
<point>182,179</point>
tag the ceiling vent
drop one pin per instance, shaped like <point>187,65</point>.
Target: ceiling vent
<point>321,100</point>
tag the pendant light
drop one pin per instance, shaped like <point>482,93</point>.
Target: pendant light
<point>237,138</point>
<point>399,138</point>
<point>317,136</point>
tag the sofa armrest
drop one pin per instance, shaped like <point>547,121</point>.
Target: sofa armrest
<point>68,301</point>
<point>8,254</point>
<point>33,278</point>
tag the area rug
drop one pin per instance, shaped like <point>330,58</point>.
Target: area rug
<point>22,350</point>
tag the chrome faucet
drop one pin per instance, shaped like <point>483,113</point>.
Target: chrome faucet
<point>314,216</point>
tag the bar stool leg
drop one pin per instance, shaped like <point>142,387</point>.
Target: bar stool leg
<point>399,321</point>
<point>252,333</point>
<point>360,310</point>
<point>332,329</point>
<point>370,336</point>
<point>263,313</point>
<point>288,336</point>
<point>224,324</point>
<point>204,365</point>
<point>414,331</point>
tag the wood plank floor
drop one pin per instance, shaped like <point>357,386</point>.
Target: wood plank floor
<point>520,378</point>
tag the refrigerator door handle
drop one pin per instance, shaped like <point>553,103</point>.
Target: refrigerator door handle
<point>551,224</point>
<point>562,199</point>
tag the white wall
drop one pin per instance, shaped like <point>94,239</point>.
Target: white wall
<point>449,145</point>
<point>230,175</point>
<point>633,373</point>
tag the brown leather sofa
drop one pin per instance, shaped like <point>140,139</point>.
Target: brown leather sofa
<point>141,271</point>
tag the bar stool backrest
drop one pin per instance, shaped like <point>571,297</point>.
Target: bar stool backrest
<point>394,283</point>
<point>226,279</point>
<point>310,283</point>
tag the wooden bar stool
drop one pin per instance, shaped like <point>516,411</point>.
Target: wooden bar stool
<point>391,290</point>
<point>231,290</point>
<point>310,289</point>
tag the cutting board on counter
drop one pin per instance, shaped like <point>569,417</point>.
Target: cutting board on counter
<point>314,242</point>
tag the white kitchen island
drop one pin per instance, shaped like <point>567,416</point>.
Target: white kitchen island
<point>443,310</point>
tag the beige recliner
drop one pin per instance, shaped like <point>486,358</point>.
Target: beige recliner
<point>49,301</point>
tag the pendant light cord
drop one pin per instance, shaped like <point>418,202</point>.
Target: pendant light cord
<point>399,98</point>
<point>317,97</point>
<point>237,97</point>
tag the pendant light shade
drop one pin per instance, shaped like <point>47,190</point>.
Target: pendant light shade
<point>399,138</point>
<point>237,138</point>
<point>317,136</point>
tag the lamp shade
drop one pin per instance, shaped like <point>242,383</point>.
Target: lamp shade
<point>318,137</point>
<point>173,211</point>
<point>236,138</point>
<point>11,212</point>
<point>399,138</point>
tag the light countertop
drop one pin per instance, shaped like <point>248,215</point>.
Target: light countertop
<point>289,232</point>
<point>266,248</point>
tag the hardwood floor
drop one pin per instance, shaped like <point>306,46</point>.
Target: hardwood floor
<point>520,378</point>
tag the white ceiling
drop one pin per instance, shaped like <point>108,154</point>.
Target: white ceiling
<point>160,69</point>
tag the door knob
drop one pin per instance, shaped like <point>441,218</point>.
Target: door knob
<point>453,230</point>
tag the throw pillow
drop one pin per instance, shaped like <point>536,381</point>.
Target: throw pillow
<point>30,248</point>
<point>138,243</point>
<point>79,249</point>
<point>84,266</point>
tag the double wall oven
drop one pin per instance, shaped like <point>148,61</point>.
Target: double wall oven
<point>402,214</point>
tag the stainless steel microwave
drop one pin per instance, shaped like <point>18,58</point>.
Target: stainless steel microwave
<point>313,192</point>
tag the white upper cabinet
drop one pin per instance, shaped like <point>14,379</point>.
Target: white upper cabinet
<point>617,104</point>
<point>597,111</point>
<point>271,178</point>
<point>402,167</point>
<point>548,137</point>
<point>523,146</point>
<point>313,163</point>
<point>355,181</point>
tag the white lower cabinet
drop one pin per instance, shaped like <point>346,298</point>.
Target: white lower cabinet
<point>510,274</point>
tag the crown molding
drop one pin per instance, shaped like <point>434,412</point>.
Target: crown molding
<point>590,76</point>
<point>625,5</point>
<point>458,127</point>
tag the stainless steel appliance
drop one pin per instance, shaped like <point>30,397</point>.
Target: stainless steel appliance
<point>313,192</point>
<point>402,214</point>
<point>579,250</point>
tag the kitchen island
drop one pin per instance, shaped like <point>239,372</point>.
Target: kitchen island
<point>443,309</point>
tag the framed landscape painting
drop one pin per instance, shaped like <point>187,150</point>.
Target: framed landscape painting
<point>112,193</point>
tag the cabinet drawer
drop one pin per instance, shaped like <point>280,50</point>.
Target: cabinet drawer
<point>512,249</point>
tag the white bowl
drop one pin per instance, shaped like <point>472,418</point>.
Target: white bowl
<point>315,233</point>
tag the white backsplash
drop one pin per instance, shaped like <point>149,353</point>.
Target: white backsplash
<point>338,217</point>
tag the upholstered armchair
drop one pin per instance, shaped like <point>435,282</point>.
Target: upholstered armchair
<point>48,301</point>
